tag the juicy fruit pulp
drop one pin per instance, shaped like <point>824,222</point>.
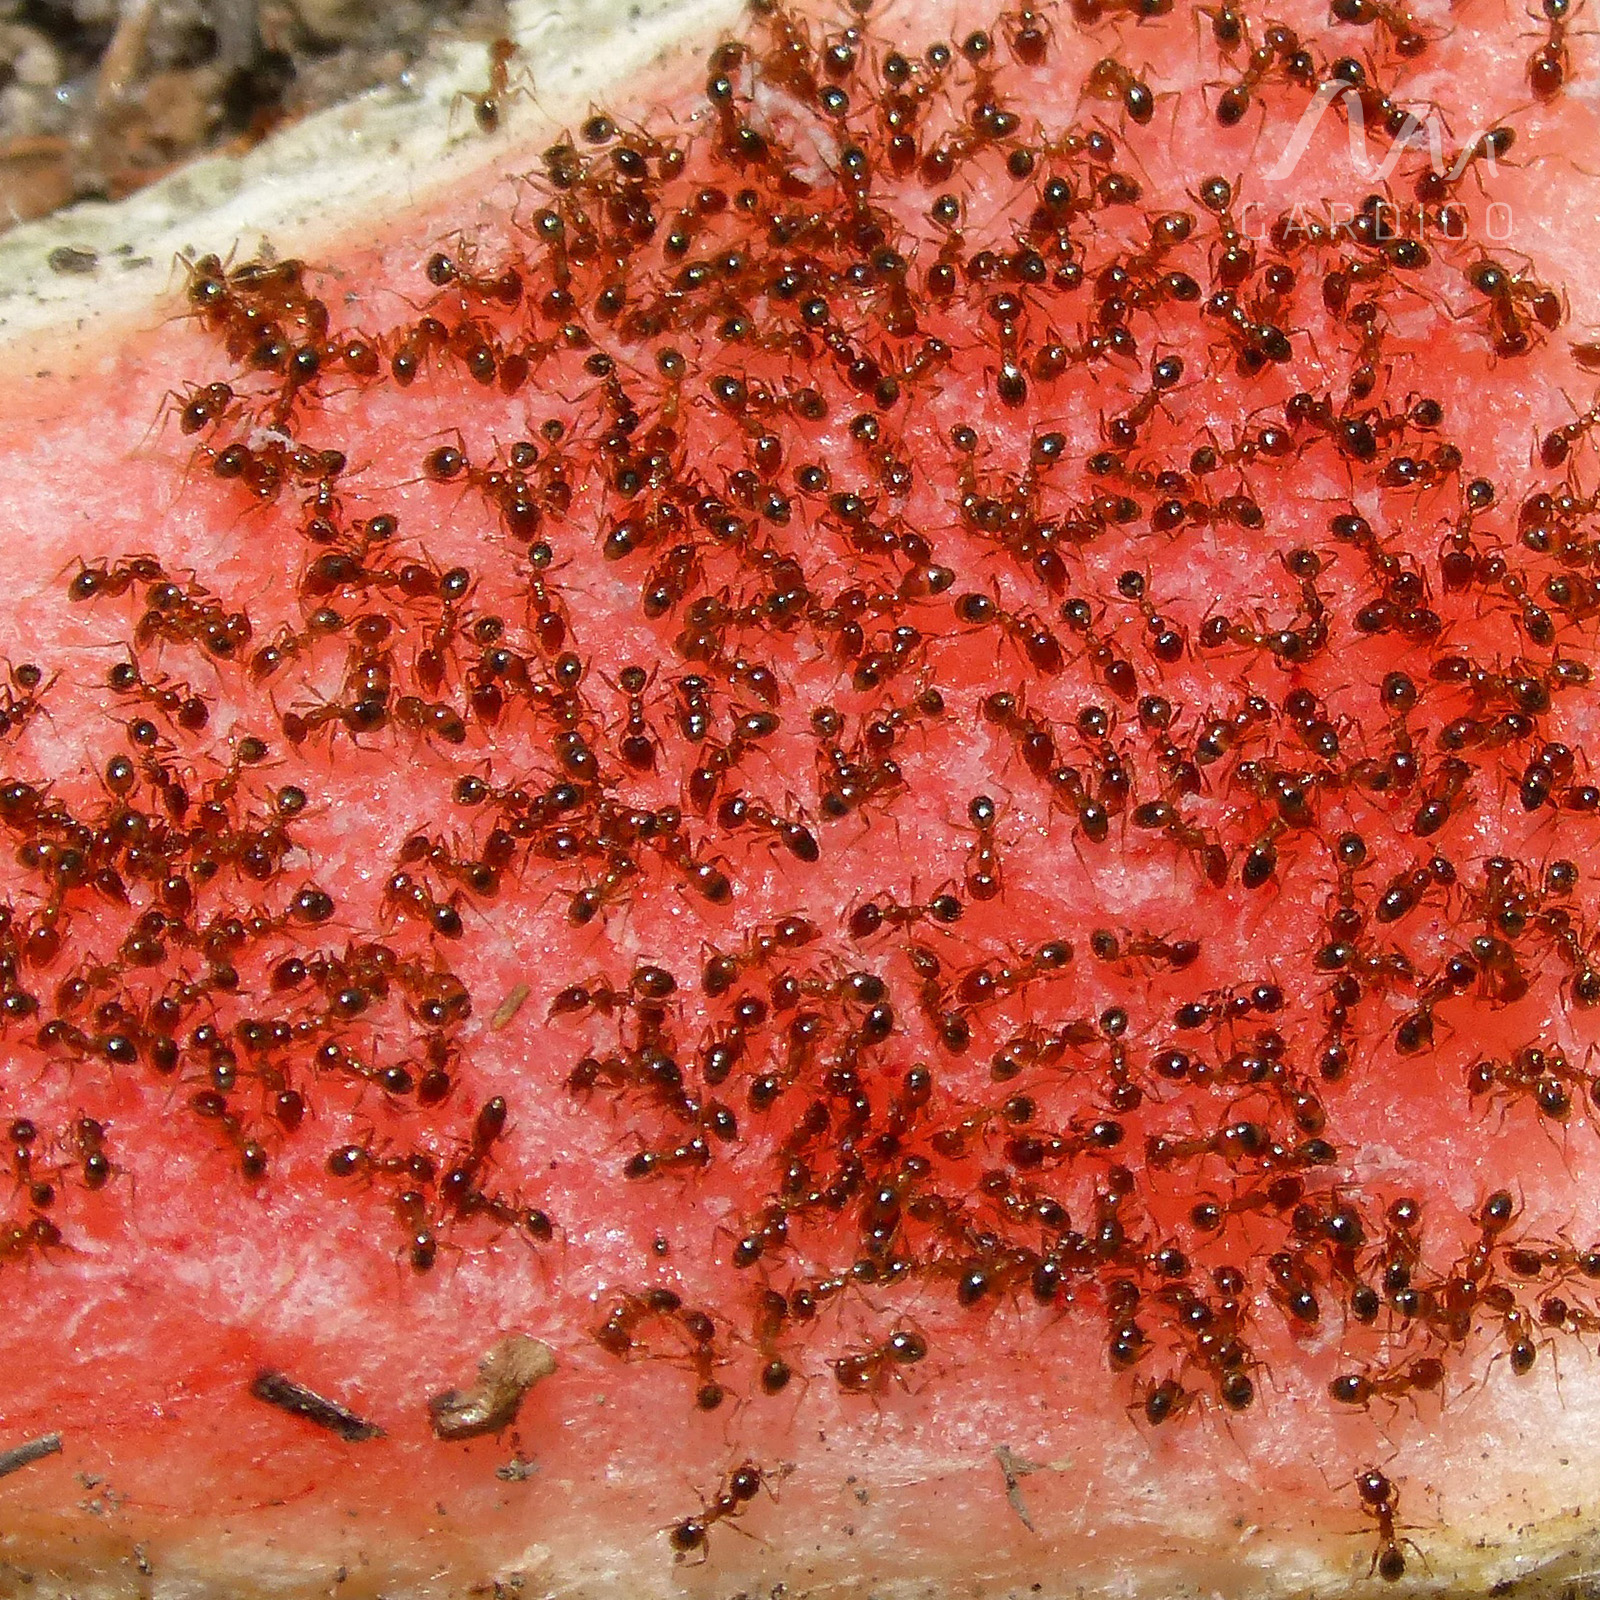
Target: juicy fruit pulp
<point>905,767</point>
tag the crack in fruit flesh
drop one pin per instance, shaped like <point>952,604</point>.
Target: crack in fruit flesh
<point>904,764</point>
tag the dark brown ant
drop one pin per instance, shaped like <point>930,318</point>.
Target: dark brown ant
<point>639,746</point>
<point>1144,278</point>
<point>407,896</point>
<point>1040,646</point>
<point>1173,954</point>
<point>203,406</point>
<point>488,104</point>
<point>691,1155</point>
<point>212,1105</point>
<point>881,912</point>
<point>1542,1074</point>
<point>100,581</point>
<point>649,986</point>
<point>1409,39</point>
<point>742,1486</point>
<point>847,785</point>
<point>1494,1216</point>
<point>1257,342</point>
<point>722,970</point>
<point>1113,669</point>
<point>984,982</point>
<point>1109,79</point>
<point>1122,431</point>
<point>887,726</point>
<point>618,1335</point>
<point>701,873</point>
<point>1280,48</point>
<point>1531,1261</point>
<point>718,760</point>
<point>983,878</point>
<point>695,713</point>
<point>870,1370</point>
<point>1435,186</point>
<point>1028,33</point>
<point>1381,1501</point>
<point>737,811</point>
<point>672,578</point>
<point>503,288</point>
<point>1162,817</point>
<point>768,1325</point>
<point>954,1031</point>
<point>173,700</point>
<point>482,876</point>
<point>1519,308</point>
<point>1157,716</point>
<point>1030,736</point>
<point>22,696</point>
<point>23,1133</point>
<point>1161,1400</point>
<point>1557,445</point>
<point>1167,642</point>
<point>1549,65</point>
<point>1227,25</point>
<point>412,346</point>
<point>89,1145</point>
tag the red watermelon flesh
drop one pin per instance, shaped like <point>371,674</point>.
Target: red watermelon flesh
<point>894,746</point>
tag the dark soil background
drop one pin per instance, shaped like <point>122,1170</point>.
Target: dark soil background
<point>100,97</point>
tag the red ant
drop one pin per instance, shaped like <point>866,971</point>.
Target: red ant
<point>202,406</point>
<point>488,104</point>
<point>503,288</point>
<point>742,1486</point>
<point>768,1324</point>
<point>1160,1400</point>
<point>22,696</point>
<point>1109,79</point>
<point>1381,1501</point>
<point>868,1371</point>
<point>983,862</point>
<point>1549,64</point>
<point>1518,308</point>
<point>1280,47</point>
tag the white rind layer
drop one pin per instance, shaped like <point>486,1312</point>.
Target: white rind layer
<point>324,177</point>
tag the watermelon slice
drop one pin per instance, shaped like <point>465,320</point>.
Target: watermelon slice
<point>816,815</point>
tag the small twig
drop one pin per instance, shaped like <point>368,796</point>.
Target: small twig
<point>123,55</point>
<point>274,1389</point>
<point>24,1455</point>
<point>238,31</point>
<point>35,147</point>
<point>1013,1468</point>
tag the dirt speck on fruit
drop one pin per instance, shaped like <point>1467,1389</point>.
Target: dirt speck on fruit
<point>491,1403</point>
<point>508,1008</point>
